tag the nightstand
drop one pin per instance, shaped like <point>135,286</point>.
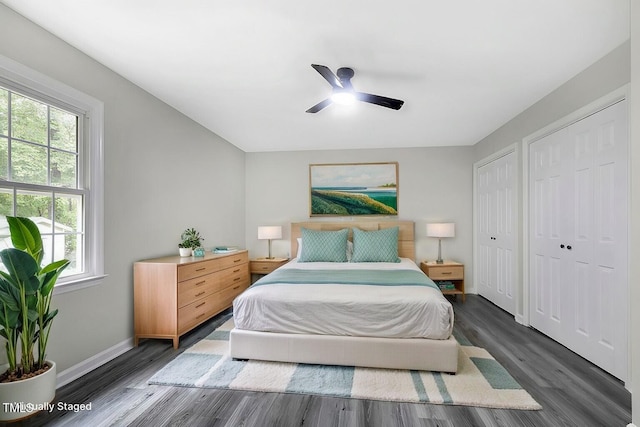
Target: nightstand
<point>265,266</point>
<point>448,271</point>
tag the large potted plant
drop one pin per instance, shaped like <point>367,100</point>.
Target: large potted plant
<point>28,380</point>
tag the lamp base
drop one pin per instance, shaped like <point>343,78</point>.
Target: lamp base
<point>439,260</point>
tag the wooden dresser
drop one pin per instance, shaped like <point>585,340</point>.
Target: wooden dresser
<point>172,295</point>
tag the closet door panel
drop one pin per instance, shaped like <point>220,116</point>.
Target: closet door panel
<point>505,232</point>
<point>496,183</point>
<point>549,278</point>
<point>483,235</point>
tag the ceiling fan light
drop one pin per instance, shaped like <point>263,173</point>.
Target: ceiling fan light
<point>343,97</point>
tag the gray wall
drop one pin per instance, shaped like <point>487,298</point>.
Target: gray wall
<point>434,185</point>
<point>163,173</point>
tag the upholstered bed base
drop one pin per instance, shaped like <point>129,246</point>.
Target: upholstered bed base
<point>392,353</point>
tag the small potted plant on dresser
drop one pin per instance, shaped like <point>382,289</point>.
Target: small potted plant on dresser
<point>27,385</point>
<point>191,240</point>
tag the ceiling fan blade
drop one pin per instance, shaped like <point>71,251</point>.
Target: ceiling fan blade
<point>380,100</point>
<point>319,106</point>
<point>328,75</point>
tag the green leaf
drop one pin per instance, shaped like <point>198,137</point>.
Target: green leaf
<point>8,302</point>
<point>52,271</point>
<point>10,321</point>
<point>32,302</point>
<point>26,236</point>
<point>7,298</point>
<point>10,280</point>
<point>22,268</point>
<point>56,265</point>
<point>49,317</point>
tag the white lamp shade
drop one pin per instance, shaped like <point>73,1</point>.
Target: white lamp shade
<point>441,229</point>
<point>268,232</point>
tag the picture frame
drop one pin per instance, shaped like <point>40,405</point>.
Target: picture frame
<point>353,189</point>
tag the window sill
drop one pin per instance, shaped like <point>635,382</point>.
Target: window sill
<point>76,285</point>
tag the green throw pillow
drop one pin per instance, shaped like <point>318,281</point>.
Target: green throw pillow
<point>324,246</point>
<point>375,246</point>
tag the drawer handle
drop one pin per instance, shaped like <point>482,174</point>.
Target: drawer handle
<point>200,293</point>
<point>446,272</point>
<point>265,268</point>
<point>201,283</point>
<point>236,279</point>
<point>201,268</point>
<point>237,287</point>
<point>200,315</point>
<point>201,304</point>
<point>237,260</point>
<point>235,271</point>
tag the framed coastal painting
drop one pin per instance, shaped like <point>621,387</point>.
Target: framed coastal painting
<point>347,189</point>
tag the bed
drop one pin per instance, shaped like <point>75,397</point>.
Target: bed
<point>384,314</point>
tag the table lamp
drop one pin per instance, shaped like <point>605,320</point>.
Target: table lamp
<point>269,232</point>
<point>440,230</point>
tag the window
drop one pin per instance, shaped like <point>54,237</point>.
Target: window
<point>51,169</point>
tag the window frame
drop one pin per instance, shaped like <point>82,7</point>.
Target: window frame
<point>24,80</point>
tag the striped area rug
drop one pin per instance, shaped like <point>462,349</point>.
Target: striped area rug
<point>480,381</point>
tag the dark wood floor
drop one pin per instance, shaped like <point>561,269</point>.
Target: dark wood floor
<point>572,391</point>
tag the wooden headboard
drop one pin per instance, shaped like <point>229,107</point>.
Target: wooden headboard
<point>406,240</point>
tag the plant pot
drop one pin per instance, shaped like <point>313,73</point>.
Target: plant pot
<point>21,399</point>
<point>185,251</point>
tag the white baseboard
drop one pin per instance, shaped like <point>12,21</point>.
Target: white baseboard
<point>86,366</point>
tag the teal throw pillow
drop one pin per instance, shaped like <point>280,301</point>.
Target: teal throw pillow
<point>324,246</point>
<point>375,246</point>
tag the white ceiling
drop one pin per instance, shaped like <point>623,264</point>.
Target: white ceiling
<point>243,68</point>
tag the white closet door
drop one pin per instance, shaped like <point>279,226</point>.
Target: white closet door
<point>496,185</point>
<point>547,188</point>
<point>598,254</point>
<point>578,265</point>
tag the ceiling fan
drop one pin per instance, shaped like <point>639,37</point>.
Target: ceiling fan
<point>343,92</point>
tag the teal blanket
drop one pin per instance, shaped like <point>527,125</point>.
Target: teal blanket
<point>347,277</point>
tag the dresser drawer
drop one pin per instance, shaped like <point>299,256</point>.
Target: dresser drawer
<point>446,272</point>
<point>197,269</point>
<point>264,267</point>
<point>233,260</point>
<point>238,274</point>
<point>197,288</point>
<point>200,287</point>
<point>197,312</point>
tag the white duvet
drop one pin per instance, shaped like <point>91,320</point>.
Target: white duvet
<point>339,309</point>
